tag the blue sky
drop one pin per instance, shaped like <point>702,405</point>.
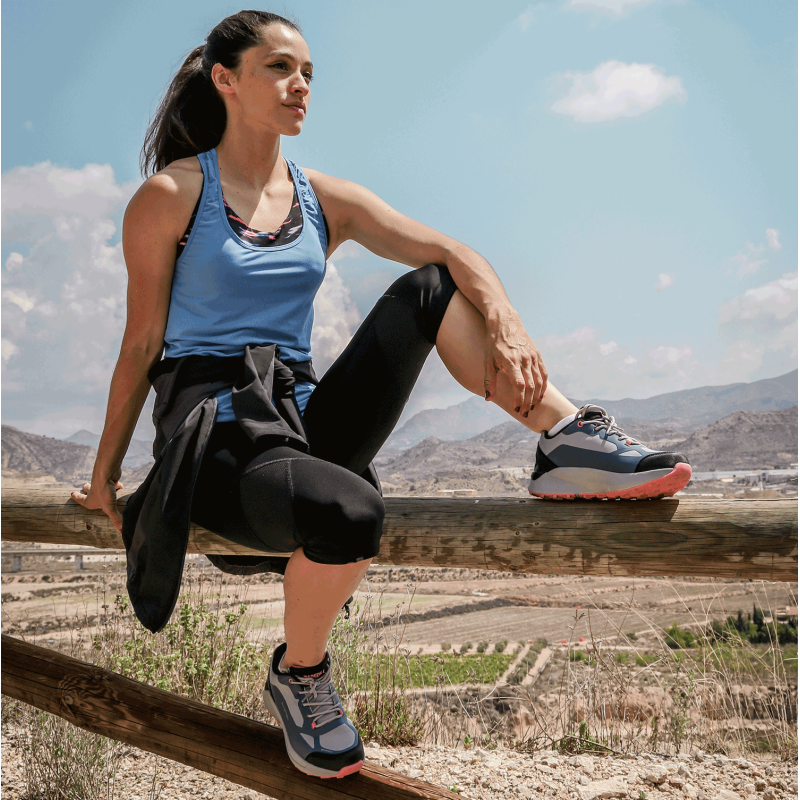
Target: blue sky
<point>629,168</point>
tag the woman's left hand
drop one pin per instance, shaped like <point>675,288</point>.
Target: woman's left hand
<point>510,351</point>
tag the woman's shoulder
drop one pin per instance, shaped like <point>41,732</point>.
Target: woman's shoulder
<point>173,190</point>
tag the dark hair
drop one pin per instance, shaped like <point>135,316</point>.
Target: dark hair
<point>191,118</point>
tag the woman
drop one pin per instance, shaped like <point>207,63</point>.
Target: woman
<point>221,284</point>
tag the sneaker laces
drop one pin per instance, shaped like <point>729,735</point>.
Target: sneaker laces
<point>602,421</point>
<point>320,698</point>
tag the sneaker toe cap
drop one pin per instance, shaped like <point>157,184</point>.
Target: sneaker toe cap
<point>661,461</point>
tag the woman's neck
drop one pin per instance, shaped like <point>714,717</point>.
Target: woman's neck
<point>248,159</point>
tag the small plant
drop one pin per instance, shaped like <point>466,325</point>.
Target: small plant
<point>481,648</point>
<point>642,794</point>
<point>621,658</point>
<point>631,635</point>
<point>468,742</point>
<point>446,647</point>
<point>500,646</point>
<point>577,655</point>
<point>466,647</point>
<point>678,638</point>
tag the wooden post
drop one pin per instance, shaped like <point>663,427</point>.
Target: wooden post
<point>233,747</point>
<point>710,538</point>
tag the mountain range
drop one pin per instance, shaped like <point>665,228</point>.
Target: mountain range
<point>684,410</point>
<point>494,458</point>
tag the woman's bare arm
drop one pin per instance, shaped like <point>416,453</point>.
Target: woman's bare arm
<point>354,212</point>
<point>154,222</point>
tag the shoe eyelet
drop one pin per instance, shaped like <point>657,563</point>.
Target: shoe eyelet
<point>580,424</point>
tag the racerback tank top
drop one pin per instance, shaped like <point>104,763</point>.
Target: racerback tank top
<point>227,294</point>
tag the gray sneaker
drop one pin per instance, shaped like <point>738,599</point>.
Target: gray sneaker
<point>320,739</point>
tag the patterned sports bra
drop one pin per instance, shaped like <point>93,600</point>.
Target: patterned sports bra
<point>289,230</point>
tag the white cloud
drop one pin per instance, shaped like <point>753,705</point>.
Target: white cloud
<point>19,299</point>
<point>618,7</point>
<point>764,307</point>
<point>760,327</point>
<point>525,18</point>
<point>665,355</point>
<point>9,349</point>
<point>350,249</point>
<point>615,89</point>
<point>665,280</point>
<point>772,239</point>
<point>44,195</point>
<point>336,318</point>
<point>14,261</point>
<point>750,261</point>
<point>63,300</point>
<point>572,361</point>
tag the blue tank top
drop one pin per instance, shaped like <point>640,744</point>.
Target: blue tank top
<point>227,294</point>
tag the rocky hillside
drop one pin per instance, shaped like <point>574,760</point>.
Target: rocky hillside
<point>745,440</point>
<point>683,411</point>
<point>28,453</point>
<point>28,458</point>
<point>486,462</point>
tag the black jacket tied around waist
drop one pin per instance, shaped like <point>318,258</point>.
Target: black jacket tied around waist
<point>155,527</point>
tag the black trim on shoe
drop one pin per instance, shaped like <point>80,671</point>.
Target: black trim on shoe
<point>337,761</point>
<point>543,464</point>
<point>661,461</point>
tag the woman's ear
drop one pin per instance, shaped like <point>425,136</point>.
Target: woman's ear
<point>223,78</point>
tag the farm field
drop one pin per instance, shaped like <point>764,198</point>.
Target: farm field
<point>423,607</point>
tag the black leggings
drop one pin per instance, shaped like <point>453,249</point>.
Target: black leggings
<point>328,501</point>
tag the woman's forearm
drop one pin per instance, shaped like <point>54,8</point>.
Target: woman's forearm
<point>129,389</point>
<point>479,283</point>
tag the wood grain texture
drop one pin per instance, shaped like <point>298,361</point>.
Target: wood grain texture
<point>233,747</point>
<point>712,538</point>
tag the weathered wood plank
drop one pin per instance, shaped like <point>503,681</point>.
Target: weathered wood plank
<point>712,538</point>
<point>233,747</point>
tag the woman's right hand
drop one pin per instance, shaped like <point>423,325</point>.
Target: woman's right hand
<point>103,496</point>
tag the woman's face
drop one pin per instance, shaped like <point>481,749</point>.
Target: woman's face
<point>270,89</point>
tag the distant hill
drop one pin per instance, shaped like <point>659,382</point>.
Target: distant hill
<point>490,462</point>
<point>744,440</point>
<point>684,410</point>
<point>708,403</point>
<point>68,462</point>
<point>140,453</point>
<point>24,452</point>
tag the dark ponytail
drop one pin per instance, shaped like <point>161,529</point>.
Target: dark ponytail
<point>191,117</point>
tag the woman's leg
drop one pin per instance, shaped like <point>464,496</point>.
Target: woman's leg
<point>315,593</point>
<point>460,343</point>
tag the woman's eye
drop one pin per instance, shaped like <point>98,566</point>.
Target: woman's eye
<point>279,65</point>
<point>309,77</point>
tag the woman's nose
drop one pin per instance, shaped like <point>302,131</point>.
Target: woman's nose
<point>300,84</point>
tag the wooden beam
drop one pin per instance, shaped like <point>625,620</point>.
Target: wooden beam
<point>712,538</point>
<point>233,747</point>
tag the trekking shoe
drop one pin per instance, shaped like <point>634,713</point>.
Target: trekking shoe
<point>320,739</point>
<point>592,458</point>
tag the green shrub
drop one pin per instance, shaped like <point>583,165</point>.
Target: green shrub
<point>446,647</point>
<point>466,647</point>
<point>577,655</point>
<point>678,638</point>
<point>481,648</point>
<point>500,646</point>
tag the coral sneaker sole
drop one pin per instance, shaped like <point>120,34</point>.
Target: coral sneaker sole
<point>304,766</point>
<point>574,483</point>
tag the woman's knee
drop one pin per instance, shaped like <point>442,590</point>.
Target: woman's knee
<point>428,291</point>
<point>343,526</point>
